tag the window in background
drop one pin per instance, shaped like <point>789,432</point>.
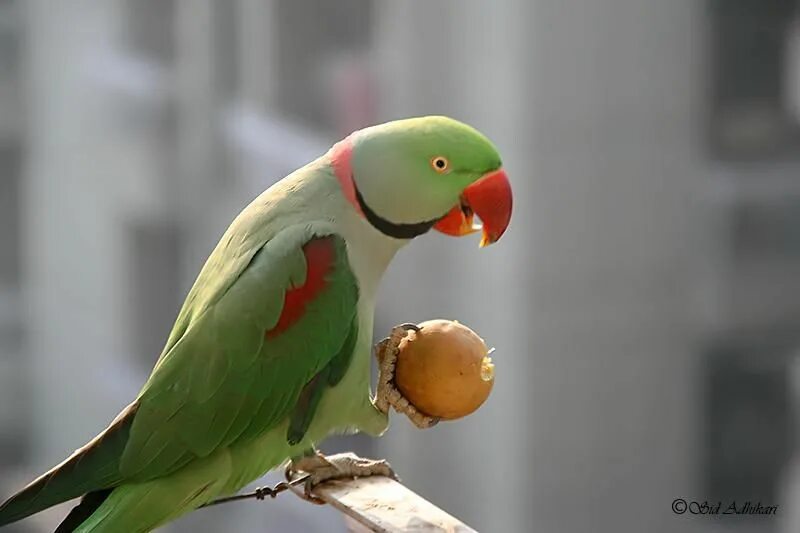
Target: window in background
<point>749,394</point>
<point>148,29</point>
<point>322,73</point>
<point>754,55</point>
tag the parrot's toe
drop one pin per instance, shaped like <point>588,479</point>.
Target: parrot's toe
<point>387,393</point>
<point>320,468</point>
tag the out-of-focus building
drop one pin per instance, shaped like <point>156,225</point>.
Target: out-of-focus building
<point>644,303</point>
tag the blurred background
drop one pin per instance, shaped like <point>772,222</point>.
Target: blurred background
<point>645,302</point>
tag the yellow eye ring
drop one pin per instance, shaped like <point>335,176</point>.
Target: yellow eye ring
<point>440,164</point>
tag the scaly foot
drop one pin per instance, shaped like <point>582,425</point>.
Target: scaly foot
<point>387,394</point>
<point>321,468</point>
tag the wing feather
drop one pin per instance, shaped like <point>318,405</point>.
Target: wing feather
<point>225,379</point>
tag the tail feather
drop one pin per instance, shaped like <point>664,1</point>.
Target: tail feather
<point>91,468</point>
<point>82,511</point>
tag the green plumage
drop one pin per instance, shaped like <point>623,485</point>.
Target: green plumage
<point>312,393</point>
<point>246,383</point>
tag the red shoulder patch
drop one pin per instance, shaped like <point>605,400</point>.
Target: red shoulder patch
<point>319,253</point>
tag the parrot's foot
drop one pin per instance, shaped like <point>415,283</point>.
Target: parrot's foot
<point>321,468</point>
<point>387,394</point>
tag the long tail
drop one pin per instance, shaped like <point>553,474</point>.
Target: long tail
<point>92,468</point>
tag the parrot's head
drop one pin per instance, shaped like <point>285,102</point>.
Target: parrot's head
<point>408,176</point>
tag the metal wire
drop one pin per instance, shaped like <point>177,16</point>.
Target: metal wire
<point>261,493</point>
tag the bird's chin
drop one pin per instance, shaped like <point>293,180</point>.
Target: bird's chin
<point>490,199</point>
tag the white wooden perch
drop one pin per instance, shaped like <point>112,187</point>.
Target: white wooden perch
<point>383,505</point>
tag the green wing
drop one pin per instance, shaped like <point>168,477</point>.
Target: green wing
<point>225,379</point>
<point>221,378</point>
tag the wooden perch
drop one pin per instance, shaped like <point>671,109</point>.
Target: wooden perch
<point>383,505</point>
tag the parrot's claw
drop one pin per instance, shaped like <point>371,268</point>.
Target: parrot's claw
<point>320,468</point>
<point>387,393</point>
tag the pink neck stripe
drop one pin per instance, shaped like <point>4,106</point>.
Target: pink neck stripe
<point>341,156</point>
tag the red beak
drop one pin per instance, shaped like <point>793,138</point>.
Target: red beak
<point>490,198</point>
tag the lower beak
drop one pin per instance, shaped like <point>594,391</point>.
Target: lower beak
<point>490,198</point>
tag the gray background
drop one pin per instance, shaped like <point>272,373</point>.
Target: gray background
<point>643,303</point>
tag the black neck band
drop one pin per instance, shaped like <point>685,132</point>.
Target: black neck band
<point>398,231</point>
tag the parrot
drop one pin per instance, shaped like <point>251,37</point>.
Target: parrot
<point>271,350</point>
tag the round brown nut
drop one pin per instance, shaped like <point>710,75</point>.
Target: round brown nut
<point>444,370</point>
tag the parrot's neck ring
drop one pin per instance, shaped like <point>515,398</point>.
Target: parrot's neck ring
<point>389,228</point>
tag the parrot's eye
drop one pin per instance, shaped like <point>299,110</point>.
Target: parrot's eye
<point>440,164</point>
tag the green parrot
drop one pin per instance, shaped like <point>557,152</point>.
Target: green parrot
<point>271,351</point>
